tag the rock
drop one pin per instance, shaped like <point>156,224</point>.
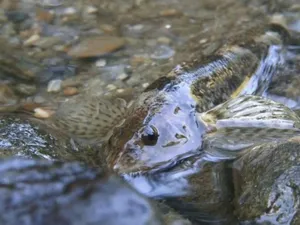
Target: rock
<point>101,63</point>
<point>91,9</point>
<point>32,40</point>
<point>111,87</point>
<point>162,52</point>
<point>54,86</point>
<point>15,63</point>
<point>107,28</point>
<point>21,138</point>
<point>69,91</point>
<point>34,138</point>
<point>47,42</point>
<point>36,192</point>
<point>44,15</point>
<point>17,16</point>
<point>39,99</point>
<point>267,183</point>
<point>69,11</point>
<point>26,89</point>
<point>8,100</point>
<point>96,46</point>
<point>169,12</point>
<point>145,85</point>
<point>164,40</point>
<point>123,76</point>
<point>42,113</point>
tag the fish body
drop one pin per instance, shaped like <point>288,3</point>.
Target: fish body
<point>162,126</point>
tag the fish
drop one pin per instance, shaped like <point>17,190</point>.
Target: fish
<point>162,126</point>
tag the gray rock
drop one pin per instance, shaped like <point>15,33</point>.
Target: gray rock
<point>35,192</point>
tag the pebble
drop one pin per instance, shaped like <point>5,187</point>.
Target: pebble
<point>50,3</point>
<point>31,40</point>
<point>42,113</point>
<point>145,85</point>
<point>69,91</point>
<point>138,59</point>
<point>123,76</point>
<point>111,87</point>
<point>39,99</point>
<point>47,42</point>
<point>164,40</point>
<point>96,46</point>
<point>107,28</point>
<point>8,99</point>
<point>91,9</point>
<point>162,52</point>
<point>54,86</point>
<point>70,11</point>
<point>71,82</point>
<point>169,12</point>
<point>44,15</point>
<point>3,17</point>
<point>101,63</point>
<point>26,89</point>
<point>203,41</point>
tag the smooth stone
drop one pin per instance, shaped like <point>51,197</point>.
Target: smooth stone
<point>35,192</point>
<point>96,46</point>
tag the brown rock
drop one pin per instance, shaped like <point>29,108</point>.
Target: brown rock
<point>96,46</point>
<point>43,15</point>
<point>69,91</point>
<point>169,12</point>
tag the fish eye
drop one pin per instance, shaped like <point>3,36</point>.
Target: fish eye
<point>150,135</point>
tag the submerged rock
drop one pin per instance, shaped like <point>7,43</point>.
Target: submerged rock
<point>33,139</point>
<point>8,99</point>
<point>35,192</point>
<point>96,46</point>
<point>267,184</point>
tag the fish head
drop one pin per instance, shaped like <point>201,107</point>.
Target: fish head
<point>154,137</point>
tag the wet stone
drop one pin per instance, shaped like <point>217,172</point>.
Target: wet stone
<point>8,99</point>
<point>54,86</point>
<point>17,63</point>
<point>36,192</point>
<point>69,91</point>
<point>26,89</point>
<point>34,139</point>
<point>96,46</point>
<point>21,138</point>
<point>267,184</point>
<point>162,52</point>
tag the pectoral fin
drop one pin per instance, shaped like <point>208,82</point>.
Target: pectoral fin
<point>247,121</point>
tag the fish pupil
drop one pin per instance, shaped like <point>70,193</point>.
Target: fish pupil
<point>150,136</point>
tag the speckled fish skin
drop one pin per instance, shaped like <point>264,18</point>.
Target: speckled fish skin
<point>40,192</point>
<point>162,127</point>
